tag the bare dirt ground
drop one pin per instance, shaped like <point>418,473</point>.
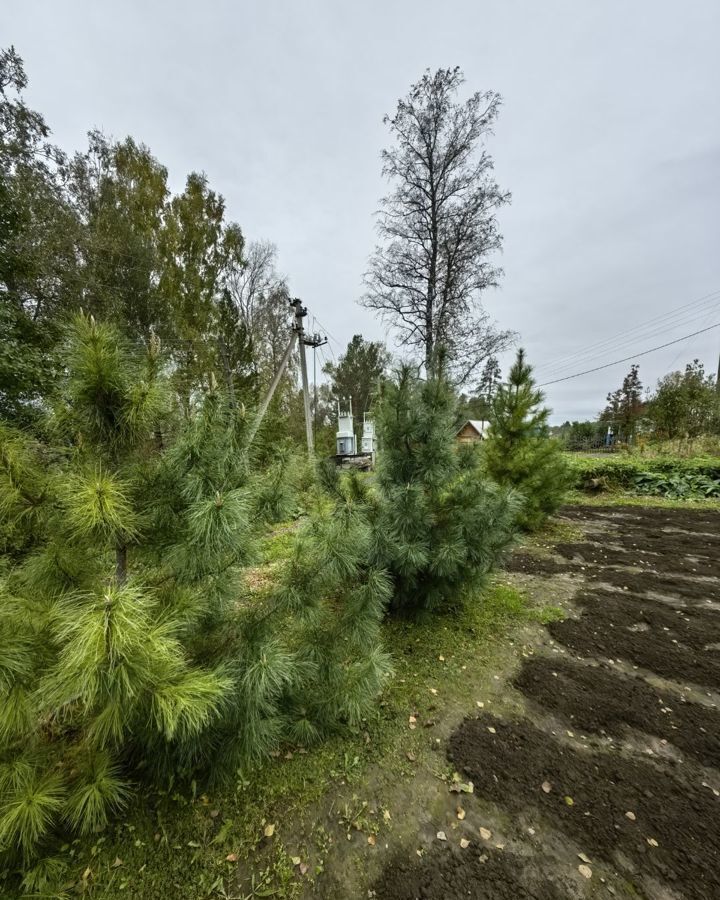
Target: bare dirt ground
<point>601,775</point>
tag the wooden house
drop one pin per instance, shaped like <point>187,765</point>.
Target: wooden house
<point>470,431</point>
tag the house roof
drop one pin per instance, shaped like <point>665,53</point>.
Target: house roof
<point>479,426</point>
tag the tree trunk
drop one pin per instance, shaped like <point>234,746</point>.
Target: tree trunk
<point>121,564</point>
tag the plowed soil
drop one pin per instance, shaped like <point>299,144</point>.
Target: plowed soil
<point>646,633</point>
<point>598,700</point>
<point>616,758</point>
<point>589,796</point>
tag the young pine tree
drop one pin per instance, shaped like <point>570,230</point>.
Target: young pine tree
<point>439,525</point>
<point>126,652</point>
<point>519,451</point>
<point>120,563</point>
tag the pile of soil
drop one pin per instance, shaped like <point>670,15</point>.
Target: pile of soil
<point>600,701</point>
<point>673,834</point>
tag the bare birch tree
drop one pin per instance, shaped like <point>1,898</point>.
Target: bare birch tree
<point>438,226</point>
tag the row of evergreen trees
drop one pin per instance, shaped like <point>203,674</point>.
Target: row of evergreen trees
<point>129,646</point>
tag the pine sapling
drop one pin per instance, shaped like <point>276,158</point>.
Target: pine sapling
<point>519,451</point>
<point>439,525</point>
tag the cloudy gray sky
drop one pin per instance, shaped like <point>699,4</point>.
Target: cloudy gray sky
<point>609,140</point>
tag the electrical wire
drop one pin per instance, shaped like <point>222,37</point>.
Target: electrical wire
<point>620,345</point>
<point>694,307</point>
<point>683,315</point>
<point>680,351</point>
<point>627,345</point>
<point>331,337</point>
<point>633,356</point>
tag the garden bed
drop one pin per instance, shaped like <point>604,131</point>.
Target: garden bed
<point>607,778</point>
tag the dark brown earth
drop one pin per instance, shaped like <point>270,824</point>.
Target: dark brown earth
<point>474,872</point>
<point>647,517</point>
<point>605,702</point>
<point>699,592</point>
<point>647,633</point>
<point>531,564</point>
<point>604,554</point>
<point>510,766</point>
<point>648,589</point>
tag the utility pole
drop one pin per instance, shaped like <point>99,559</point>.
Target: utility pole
<point>300,313</point>
<point>304,341</point>
<point>297,334</point>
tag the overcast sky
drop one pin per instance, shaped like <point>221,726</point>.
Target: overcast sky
<point>609,140</point>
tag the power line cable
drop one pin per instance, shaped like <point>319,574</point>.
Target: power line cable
<point>670,319</point>
<point>683,310</point>
<point>622,344</point>
<point>633,356</point>
<point>329,334</point>
<point>679,353</point>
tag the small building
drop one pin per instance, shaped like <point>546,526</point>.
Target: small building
<point>471,431</point>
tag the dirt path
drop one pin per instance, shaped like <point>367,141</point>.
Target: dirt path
<point>606,779</point>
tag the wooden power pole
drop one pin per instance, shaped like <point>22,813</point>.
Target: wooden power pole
<point>304,341</point>
<point>297,334</point>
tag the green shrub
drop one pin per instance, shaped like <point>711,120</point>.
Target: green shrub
<point>623,471</point>
<point>677,485</point>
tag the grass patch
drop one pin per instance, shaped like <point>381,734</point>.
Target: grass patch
<point>626,498</point>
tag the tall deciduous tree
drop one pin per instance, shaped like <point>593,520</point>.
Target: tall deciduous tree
<point>37,249</point>
<point>258,297</point>
<point>357,372</point>
<point>625,405</point>
<point>438,225</point>
<point>197,248</point>
<point>685,404</point>
<point>119,192</point>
